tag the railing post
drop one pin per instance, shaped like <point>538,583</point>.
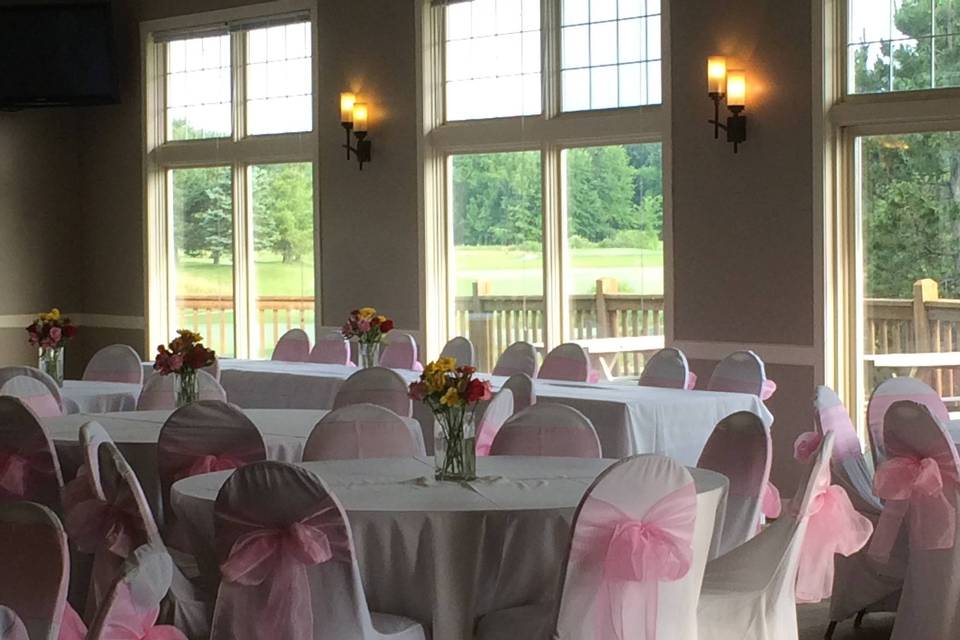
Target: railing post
<point>604,286</point>
<point>924,291</point>
<point>481,326</point>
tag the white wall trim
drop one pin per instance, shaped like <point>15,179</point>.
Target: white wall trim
<point>98,320</point>
<point>16,321</point>
<point>783,354</point>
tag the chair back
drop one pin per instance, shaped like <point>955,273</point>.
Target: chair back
<point>34,394</point>
<point>376,385</point>
<point>668,369</point>
<point>331,349</point>
<point>521,386</point>
<point>742,372</point>
<point>740,449</point>
<point>895,390</point>
<point>498,411</point>
<point>29,466</point>
<point>293,346</point>
<point>7,373</point>
<point>400,353</point>
<point>84,495</point>
<point>288,566</point>
<point>461,350</point>
<point>115,363</point>
<point>547,429</point>
<point>35,567</point>
<point>160,391</point>
<point>568,362</point>
<point>204,437</point>
<point>519,357</point>
<point>132,606</point>
<point>11,626</point>
<point>633,545</point>
<point>213,369</point>
<point>363,431</point>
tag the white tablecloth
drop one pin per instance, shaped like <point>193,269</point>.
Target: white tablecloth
<point>629,419</point>
<point>447,553</point>
<point>82,396</point>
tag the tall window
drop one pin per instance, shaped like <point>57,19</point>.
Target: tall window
<point>542,238</point>
<point>230,180</point>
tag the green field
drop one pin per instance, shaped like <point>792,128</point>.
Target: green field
<point>198,277</point>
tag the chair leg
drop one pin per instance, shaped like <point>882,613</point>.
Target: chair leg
<point>830,628</point>
<point>859,619</point>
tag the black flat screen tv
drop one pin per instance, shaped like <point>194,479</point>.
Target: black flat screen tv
<point>56,54</point>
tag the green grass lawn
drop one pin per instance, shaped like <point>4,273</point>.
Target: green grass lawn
<point>198,277</point>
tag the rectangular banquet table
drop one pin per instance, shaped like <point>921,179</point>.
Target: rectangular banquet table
<point>629,419</point>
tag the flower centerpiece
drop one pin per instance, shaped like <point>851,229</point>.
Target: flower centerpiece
<point>369,329</point>
<point>49,333</point>
<point>183,357</point>
<point>452,393</point>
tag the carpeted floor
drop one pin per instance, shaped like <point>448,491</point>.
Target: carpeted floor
<point>813,620</point>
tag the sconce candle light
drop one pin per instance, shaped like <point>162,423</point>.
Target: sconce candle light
<point>731,85</point>
<point>354,118</point>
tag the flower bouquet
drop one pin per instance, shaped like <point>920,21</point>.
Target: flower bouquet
<point>183,357</point>
<point>369,329</point>
<point>452,393</point>
<point>49,333</point>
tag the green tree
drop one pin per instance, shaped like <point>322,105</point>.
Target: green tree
<point>601,187</point>
<point>283,210</point>
<point>203,211</point>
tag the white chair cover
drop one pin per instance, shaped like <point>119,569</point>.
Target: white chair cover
<point>115,363</point>
<point>293,346</point>
<point>401,353</point>
<point>520,357</point>
<point>331,349</point>
<point>668,369</point>
<point>740,448</point>
<point>289,566</point>
<point>895,390</point>
<point>521,386</point>
<point>11,626</point>
<point>34,394</point>
<point>363,431</point>
<point>7,373</point>
<point>749,593</point>
<point>376,385</point>
<point>214,369</point>
<point>569,361</point>
<point>29,466</point>
<point>498,411</point>
<point>547,429</point>
<point>742,372</point>
<point>461,350</point>
<point>34,567</point>
<point>160,391</point>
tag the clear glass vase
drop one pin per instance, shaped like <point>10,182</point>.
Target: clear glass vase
<point>51,363</point>
<point>187,388</point>
<point>454,454</point>
<point>369,354</point>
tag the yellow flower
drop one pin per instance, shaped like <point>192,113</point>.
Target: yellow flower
<point>54,314</point>
<point>367,312</point>
<point>381,319</point>
<point>446,364</point>
<point>451,398</point>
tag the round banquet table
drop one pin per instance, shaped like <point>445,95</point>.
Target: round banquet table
<point>90,396</point>
<point>445,553</point>
<point>285,432</point>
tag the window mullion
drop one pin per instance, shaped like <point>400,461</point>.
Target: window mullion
<point>550,66</point>
<point>554,243</point>
<point>243,277</point>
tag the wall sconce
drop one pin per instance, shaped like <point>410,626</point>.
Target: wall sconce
<point>354,118</point>
<point>731,85</point>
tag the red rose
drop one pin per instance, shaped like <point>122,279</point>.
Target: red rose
<point>418,391</point>
<point>69,331</point>
<point>386,326</point>
<point>478,390</point>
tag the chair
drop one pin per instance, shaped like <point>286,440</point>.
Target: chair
<point>378,386</point>
<point>203,437</point>
<point>521,386</point>
<point>34,394</point>
<point>520,357</point>
<point>401,353</point>
<point>332,349</point>
<point>740,448</point>
<point>132,606</point>
<point>461,350</point>
<point>547,429</point>
<point>11,626</point>
<point>920,484</point>
<point>29,466</point>
<point>498,411</point>
<point>115,363</point>
<point>635,551</point>
<point>213,369</point>
<point>742,372</point>
<point>568,362</point>
<point>750,593</point>
<point>7,373</point>
<point>293,346</point>
<point>668,369</point>
<point>160,392</point>
<point>894,390</point>
<point>360,431</point>
<point>288,566</point>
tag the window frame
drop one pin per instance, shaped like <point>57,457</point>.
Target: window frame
<point>551,132</point>
<point>239,151</point>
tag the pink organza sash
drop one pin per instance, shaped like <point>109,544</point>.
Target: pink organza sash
<point>768,389</point>
<point>17,472</point>
<point>93,523</point>
<point>71,626</point>
<point>691,382</point>
<point>126,620</point>
<point>637,554</point>
<point>770,503</point>
<point>211,463</point>
<point>915,485</point>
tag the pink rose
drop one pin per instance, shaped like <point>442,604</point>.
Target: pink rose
<point>55,334</point>
<point>363,326</point>
<point>805,446</point>
<point>175,362</point>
